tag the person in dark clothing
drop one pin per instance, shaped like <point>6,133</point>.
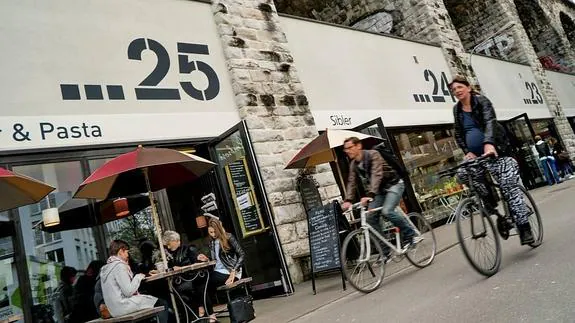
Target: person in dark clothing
<point>478,133</point>
<point>228,254</point>
<point>64,295</point>
<point>547,160</point>
<point>84,309</point>
<point>383,187</point>
<point>561,159</point>
<point>190,285</point>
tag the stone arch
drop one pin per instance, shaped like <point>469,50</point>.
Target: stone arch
<point>477,20</point>
<point>550,49</point>
<point>568,27</point>
<point>376,16</point>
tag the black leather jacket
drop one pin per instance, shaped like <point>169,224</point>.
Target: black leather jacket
<point>484,115</point>
<point>234,258</point>
<point>183,256</point>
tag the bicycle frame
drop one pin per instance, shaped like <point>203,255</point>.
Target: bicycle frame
<point>368,229</point>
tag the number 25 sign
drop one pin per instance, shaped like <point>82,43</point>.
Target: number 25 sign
<point>149,89</point>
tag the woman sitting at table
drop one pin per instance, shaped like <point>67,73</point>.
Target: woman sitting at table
<point>190,285</point>
<point>228,254</point>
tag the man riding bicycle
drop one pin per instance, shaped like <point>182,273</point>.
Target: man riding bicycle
<point>382,184</point>
<point>477,133</point>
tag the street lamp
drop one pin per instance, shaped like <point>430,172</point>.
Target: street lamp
<point>488,39</point>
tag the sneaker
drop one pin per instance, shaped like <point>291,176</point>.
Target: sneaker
<point>407,241</point>
<point>571,177</point>
<point>525,234</point>
<point>417,239</point>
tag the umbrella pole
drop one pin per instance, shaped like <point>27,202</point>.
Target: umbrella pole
<point>343,184</point>
<point>159,236</point>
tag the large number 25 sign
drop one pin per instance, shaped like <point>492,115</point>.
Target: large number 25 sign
<point>149,88</point>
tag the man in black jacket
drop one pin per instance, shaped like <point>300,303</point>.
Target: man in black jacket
<point>478,133</point>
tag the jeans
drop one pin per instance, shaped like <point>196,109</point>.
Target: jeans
<point>163,315</point>
<point>389,202</point>
<point>550,170</point>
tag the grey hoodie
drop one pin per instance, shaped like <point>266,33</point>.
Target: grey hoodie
<point>120,290</point>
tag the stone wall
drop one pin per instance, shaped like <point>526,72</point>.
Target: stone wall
<point>272,100</point>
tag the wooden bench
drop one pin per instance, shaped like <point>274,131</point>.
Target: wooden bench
<point>135,316</point>
<point>244,282</point>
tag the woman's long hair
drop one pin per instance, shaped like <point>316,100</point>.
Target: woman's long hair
<point>221,234</point>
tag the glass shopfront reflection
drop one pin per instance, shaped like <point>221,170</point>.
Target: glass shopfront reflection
<point>10,295</point>
<point>424,154</point>
<point>47,253</point>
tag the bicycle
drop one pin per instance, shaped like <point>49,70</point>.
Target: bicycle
<point>465,216</point>
<point>357,252</point>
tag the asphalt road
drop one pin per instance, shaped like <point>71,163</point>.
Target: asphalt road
<point>533,285</point>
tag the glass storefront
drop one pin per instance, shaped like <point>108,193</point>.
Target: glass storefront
<point>424,154</point>
<point>47,253</point>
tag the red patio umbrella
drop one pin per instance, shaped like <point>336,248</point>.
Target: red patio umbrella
<point>18,190</point>
<point>143,170</point>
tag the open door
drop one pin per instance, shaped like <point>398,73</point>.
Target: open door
<point>249,213</point>
<point>521,135</point>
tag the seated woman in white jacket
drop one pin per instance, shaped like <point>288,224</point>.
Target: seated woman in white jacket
<point>120,286</point>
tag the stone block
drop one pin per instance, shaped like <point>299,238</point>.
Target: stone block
<point>260,76</point>
<point>325,179</point>
<point>288,213</point>
<point>251,13</point>
<point>242,75</point>
<point>280,185</point>
<point>246,33</point>
<point>233,52</point>
<point>291,197</point>
<point>269,160</point>
<point>301,229</point>
<point>287,233</point>
<point>244,99</point>
<point>254,123</point>
<point>266,135</point>
<point>276,198</point>
<point>299,247</point>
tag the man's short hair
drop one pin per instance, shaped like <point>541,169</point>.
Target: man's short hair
<point>354,140</point>
<point>117,245</point>
<point>537,137</point>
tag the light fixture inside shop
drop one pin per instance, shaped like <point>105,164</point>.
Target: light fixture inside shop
<point>121,207</point>
<point>50,217</point>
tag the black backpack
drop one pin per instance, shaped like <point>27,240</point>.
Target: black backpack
<point>392,161</point>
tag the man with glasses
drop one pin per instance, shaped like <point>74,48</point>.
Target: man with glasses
<point>382,185</point>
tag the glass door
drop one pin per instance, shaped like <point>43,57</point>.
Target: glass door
<point>376,128</point>
<point>249,213</point>
<point>521,133</point>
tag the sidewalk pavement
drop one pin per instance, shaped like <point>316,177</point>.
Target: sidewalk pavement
<point>329,288</point>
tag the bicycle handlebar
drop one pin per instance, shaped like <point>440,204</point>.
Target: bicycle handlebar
<point>450,172</point>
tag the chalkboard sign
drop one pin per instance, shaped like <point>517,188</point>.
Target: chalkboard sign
<point>309,193</point>
<point>243,195</point>
<point>324,238</point>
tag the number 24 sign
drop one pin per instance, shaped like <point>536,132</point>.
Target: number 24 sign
<point>149,89</point>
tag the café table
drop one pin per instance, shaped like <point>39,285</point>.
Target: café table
<point>170,274</point>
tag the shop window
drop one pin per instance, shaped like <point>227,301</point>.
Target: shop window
<point>56,255</point>
<point>424,154</point>
<point>46,252</point>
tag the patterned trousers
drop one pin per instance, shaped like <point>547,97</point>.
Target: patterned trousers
<point>505,171</point>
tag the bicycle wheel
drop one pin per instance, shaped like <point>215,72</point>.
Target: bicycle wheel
<point>534,218</point>
<point>363,273</point>
<point>422,253</point>
<point>478,239</point>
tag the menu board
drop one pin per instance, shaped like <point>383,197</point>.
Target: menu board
<point>324,238</point>
<point>243,194</point>
<point>309,194</point>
